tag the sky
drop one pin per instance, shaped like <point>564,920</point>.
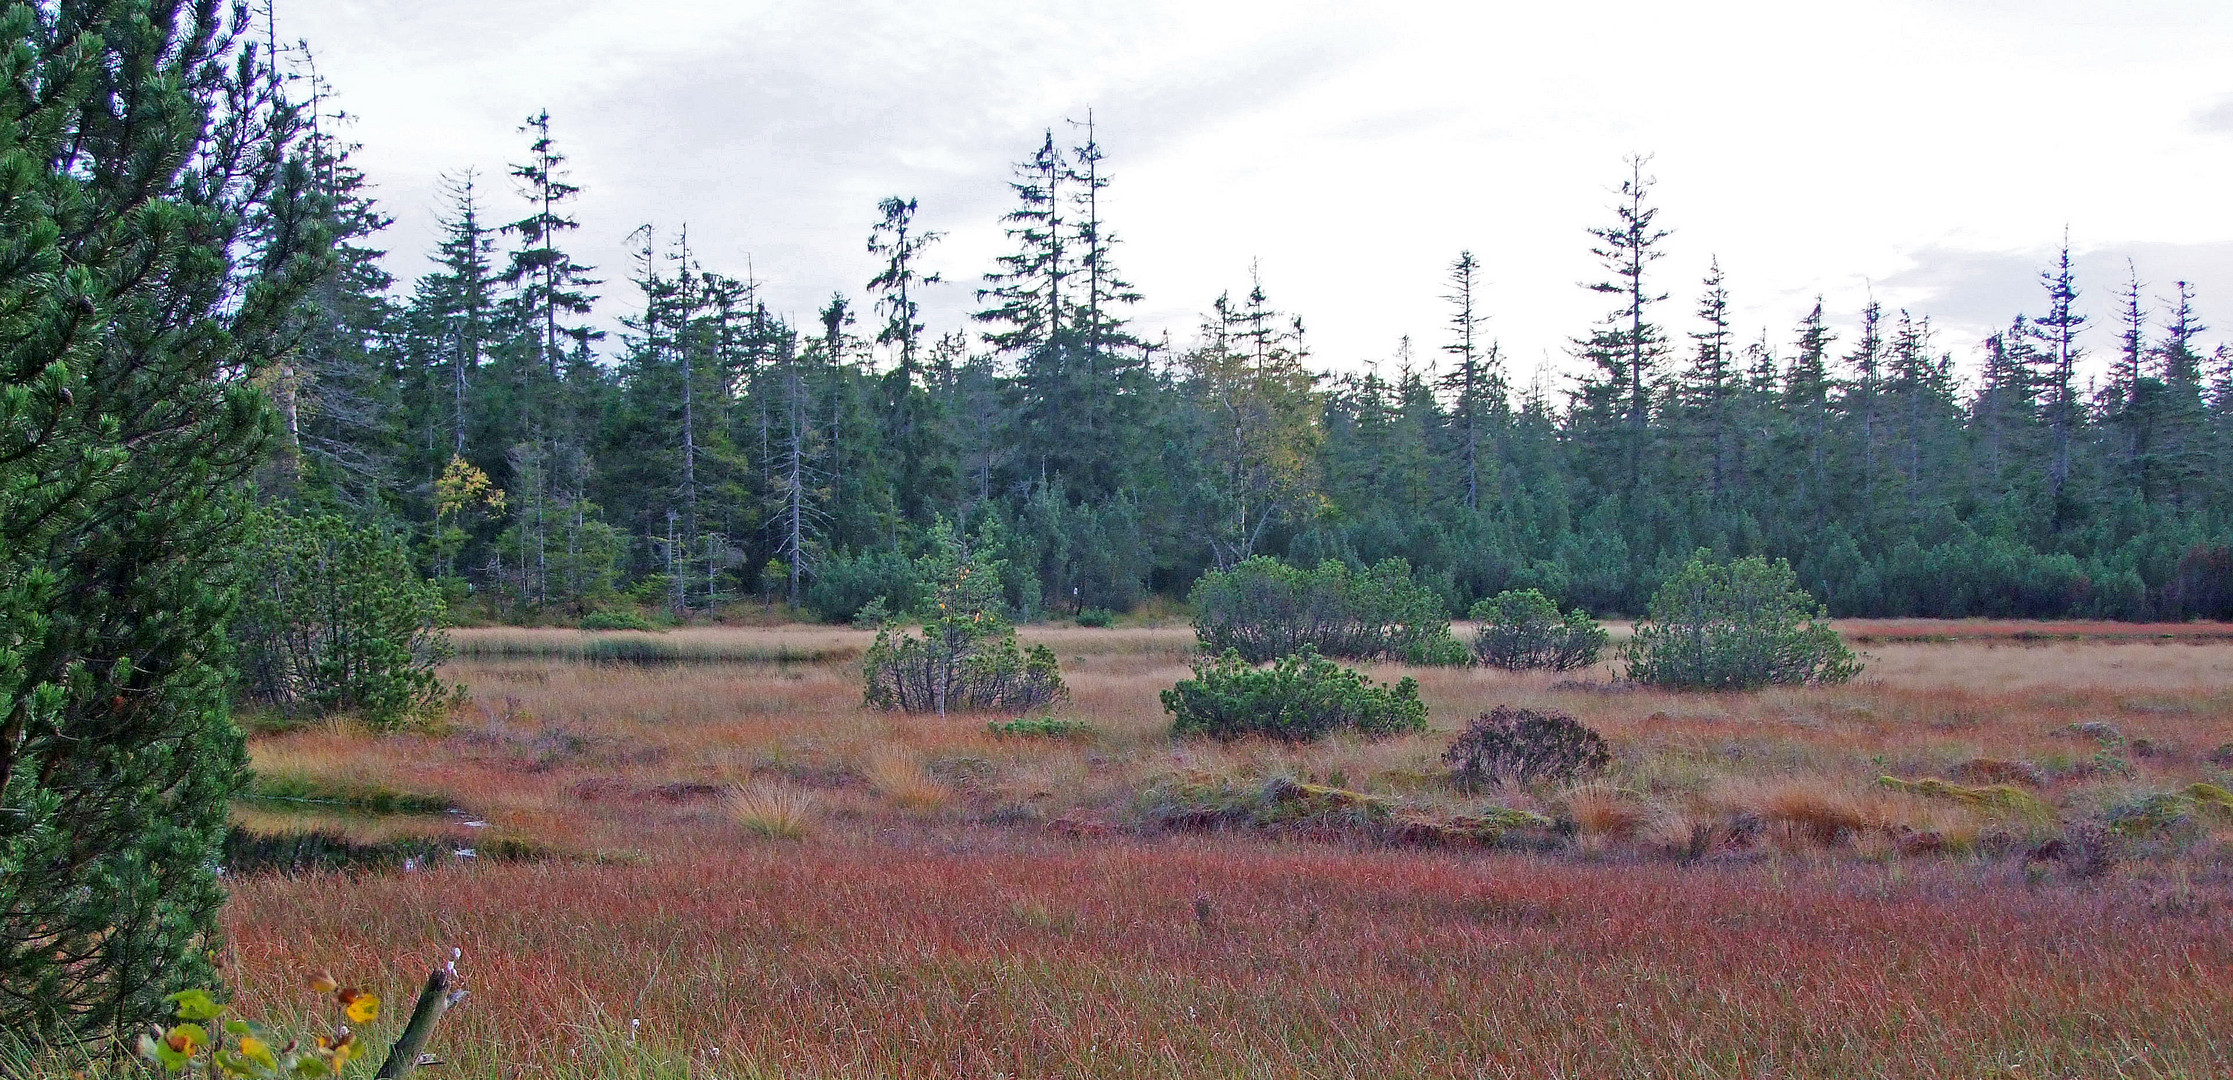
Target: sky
<point>1929,154</point>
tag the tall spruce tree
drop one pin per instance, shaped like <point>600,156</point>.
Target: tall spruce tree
<point>1626,346</point>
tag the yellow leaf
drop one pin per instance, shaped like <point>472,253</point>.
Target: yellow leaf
<point>364,1009</point>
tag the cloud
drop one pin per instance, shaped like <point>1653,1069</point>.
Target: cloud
<point>2217,119</point>
<point>1969,294</point>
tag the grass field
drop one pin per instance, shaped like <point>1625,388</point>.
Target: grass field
<point>741,872</point>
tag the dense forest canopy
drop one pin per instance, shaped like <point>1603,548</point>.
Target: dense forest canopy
<point>712,451</point>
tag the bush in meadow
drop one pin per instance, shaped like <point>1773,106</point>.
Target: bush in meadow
<point>1511,745</point>
<point>1300,697</point>
<point>336,619</point>
<point>1522,628</point>
<point>966,658</point>
<point>1264,609</point>
<point>1737,626</point>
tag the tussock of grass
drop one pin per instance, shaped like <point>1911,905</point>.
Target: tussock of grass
<point>901,776</point>
<point>775,810</point>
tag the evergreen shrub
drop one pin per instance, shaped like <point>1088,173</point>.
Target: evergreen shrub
<point>1264,609</point>
<point>336,619</point>
<point>1300,697</point>
<point>1511,745</point>
<point>1522,629</point>
<point>1737,626</point>
<point>966,658</point>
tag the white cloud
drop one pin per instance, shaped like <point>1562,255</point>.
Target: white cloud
<point>1931,148</point>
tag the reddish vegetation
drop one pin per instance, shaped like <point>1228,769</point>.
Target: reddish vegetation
<point>949,955</point>
<point>956,904</point>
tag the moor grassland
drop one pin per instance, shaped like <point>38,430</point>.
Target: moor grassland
<point>738,871</point>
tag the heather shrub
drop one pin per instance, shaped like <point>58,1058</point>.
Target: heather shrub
<point>967,657</point>
<point>1301,697</point>
<point>1264,609</point>
<point>1737,626</point>
<point>1522,628</point>
<point>1512,745</point>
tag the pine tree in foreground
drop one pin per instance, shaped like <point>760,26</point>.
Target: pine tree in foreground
<point>160,236</point>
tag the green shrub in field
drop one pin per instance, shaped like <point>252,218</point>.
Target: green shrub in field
<point>1038,727</point>
<point>1096,618</point>
<point>967,657</point>
<point>1511,745</point>
<point>1264,609</point>
<point>1302,696</point>
<point>1522,628</point>
<point>1737,626</point>
<point>336,619</point>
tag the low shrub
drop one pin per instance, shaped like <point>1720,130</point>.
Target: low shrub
<point>336,619</point>
<point>1038,727</point>
<point>1737,626</point>
<point>1264,609</point>
<point>1096,618</point>
<point>967,657</point>
<point>1522,629</point>
<point>1300,697</point>
<point>1511,745</point>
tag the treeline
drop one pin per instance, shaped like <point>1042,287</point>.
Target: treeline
<point>713,452</point>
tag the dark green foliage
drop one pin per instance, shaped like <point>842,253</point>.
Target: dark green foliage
<point>1096,618</point>
<point>1736,626</point>
<point>318,851</point>
<point>848,584</point>
<point>337,620</point>
<point>1264,609</point>
<point>1039,727</point>
<point>1520,746</point>
<point>967,658</point>
<point>1522,629</point>
<point>1301,696</point>
<point>140,157</point>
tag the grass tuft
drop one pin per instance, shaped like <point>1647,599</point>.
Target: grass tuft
<point>775,810</point>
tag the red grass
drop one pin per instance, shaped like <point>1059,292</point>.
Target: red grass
<point>912,960</point>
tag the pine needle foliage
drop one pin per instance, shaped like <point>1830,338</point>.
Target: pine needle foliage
<point>157,231</point>
<point>1738,625</point>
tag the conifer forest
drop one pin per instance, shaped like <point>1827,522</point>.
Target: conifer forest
<point>710,451</point>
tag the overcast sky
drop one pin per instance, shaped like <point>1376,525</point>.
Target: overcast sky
<point>1929,152</point>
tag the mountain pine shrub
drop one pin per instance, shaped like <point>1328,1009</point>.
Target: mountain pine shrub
<point>1737,625</point>
<point>1522,629</point>
<point>1300,697</point>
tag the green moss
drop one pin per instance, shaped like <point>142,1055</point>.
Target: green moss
<point>2005,799</point>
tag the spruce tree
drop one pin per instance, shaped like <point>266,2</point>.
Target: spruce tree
<point>1626,346</point>
<point>1474,385</point>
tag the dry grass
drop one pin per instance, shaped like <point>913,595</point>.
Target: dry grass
<point>900,776</point>
<point>966,905</point>
<point>775,810</point>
